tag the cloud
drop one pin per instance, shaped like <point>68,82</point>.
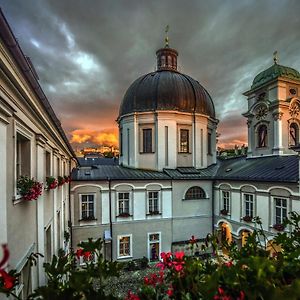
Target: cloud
<point>87,53</point>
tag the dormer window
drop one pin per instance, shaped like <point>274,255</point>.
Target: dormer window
<point>262,136</point>
<point>293,134</point>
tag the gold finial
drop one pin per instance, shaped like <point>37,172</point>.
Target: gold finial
<point>275,57</point>
<point>167,38</point>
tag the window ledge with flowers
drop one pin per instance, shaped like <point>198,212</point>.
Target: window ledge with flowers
<point>247,219</point>
<point>86,219</point>
<point>28,189</point>
<point>154,213</point>
<point>278,227</point>
<point>51,183</point>
<point>124,215</point>
<point>224,212</point>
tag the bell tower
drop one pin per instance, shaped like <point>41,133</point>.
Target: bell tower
<point>273,115</point>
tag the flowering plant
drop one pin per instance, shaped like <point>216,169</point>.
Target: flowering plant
<point>278,227</point>
<point>60,180</point>
<point>7,280</point>
<point>224,212</point>
<point>28,188</point>
<point>124,215</point>
<point>247,218</point>
<point>67,179</point>
<point>51,183</point>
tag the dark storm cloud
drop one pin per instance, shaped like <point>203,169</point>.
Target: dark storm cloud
<point>88,52</point>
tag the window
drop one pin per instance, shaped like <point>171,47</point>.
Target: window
<point>184,141</point>
<point>124,246</point>
<point>48,164</point>
<point>87,207</point>
<point>123,204</point>
<point>147,140</point>
<point>280,210</point>
<point>194,193</point>
<point>262,136</point>
<point>226,200</point>
<point>153,203</point>
<point>294,133</point>
<point>153,246</point>
<point>249,201</point>
<point>22,156</point>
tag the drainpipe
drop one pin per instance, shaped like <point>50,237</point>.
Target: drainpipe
<point>70,217</point>
<point>213,206</point>
<point>110,219</point>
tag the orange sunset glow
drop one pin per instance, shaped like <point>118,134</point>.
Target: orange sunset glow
<point>94,137</point>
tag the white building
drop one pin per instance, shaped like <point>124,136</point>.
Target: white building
<point>33,144</point>
<point>170,185</point>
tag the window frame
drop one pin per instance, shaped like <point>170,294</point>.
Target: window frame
<point>193,193</point>
<point>296,138</point>
<point>147,140</point>
<point>184,148</point>
<point>119,213</point>
<point>88,218</point>
<point>149,243</point>
<point>19,129</point>
<point>280,207</point>
<point>119,237</point>
<point>247,202</point>
<point>226,206</point>
<point>158,204</point>
<point>264,143</point>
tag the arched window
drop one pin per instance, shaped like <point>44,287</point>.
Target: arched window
<point>294,134</point>
<point>262,135</point>
<point>194,192</point>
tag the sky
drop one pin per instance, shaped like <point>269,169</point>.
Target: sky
<point>88,52</point>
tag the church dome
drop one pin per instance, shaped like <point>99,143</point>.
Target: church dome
<point>274,72</point>
<point>167,89</point>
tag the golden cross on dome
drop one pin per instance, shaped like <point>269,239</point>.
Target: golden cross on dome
<point>167,38</point>
<point>275,57</point>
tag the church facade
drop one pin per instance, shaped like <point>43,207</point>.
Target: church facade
<point>169,183</point>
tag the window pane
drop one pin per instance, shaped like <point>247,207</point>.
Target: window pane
<point>147,140</point>
<point>195,193</point>
<point>184,141</point>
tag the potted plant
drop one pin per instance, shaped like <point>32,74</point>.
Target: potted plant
<point>60,180</point>
<point>51,183</point>
<point>278,227</point>
<point>124,215</point>
<point>224,212</point>
<point>28,188</point>
<point>154,212</point>
<point>67,179</point>
<point>247,218</point>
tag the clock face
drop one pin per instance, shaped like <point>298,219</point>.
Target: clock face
<point>261,112</point>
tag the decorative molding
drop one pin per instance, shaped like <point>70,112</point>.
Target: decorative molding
<point>261,112</point>
<point>294,109</point>
<point>40,140</point>
<point>277,116</point>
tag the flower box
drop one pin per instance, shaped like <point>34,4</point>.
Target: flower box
<point>60,180</point>
<point>247,218</point>
<point>67,179</point>
<point>224,212</point>
<point>28,188</point>
<point>124,215</point>
<point>278,227</point>
<point>155,212</point>
<point>51,182</point>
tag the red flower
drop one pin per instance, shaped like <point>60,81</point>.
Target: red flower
<point>222,295</point>
<point>229,264</point>
<point>8,280</point>
<point>170,291</point>
<point>132,296</point>
<point>179,255</point>
<point>241,296</point>
<point>79,253</point>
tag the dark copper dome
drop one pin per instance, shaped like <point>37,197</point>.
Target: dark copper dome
<point>167,89</point>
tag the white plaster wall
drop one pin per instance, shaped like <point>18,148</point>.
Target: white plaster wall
<point>105,207</point>
<point>139,205</point>
<point>166,204</point>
